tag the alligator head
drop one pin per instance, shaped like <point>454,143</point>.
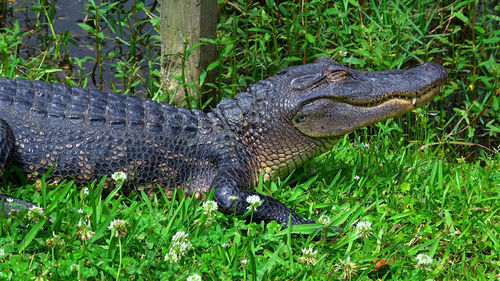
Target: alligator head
<point>299,113</point>
<point>333,100</point>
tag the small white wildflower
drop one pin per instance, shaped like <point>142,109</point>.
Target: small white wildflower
<point>356,177</point>
<point>80,211</point>
<point>244,261</point>
<point>86,191</point>
<point>233,198</point>
<point>254,202</point>
<point>119,176</point>
<point>347,267</point>
<point>85,234</point>
<point>423,261</point>
<point>35,213</point>
<point>209,207</point>
<point>172,257</point>
<point>309,256</point>
<point>142,256</point>
<point>52,242</point>
<point>224,245</point>
<point>364,228</point>
<point>73,267</point>
<point>342,53</point>
<point>119,227</point>
<point>180,236</point>
<point>324,220</point>
<point>84,231</point>
<point>366,145</point>
<point>10,200</point>
<point>179,247</point>
<point>194,277</point>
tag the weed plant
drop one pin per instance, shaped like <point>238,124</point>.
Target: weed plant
<point>417,196</point>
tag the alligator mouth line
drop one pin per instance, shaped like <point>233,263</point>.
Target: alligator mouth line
<point>421,96</point>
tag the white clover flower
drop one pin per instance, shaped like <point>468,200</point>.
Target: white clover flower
<point>254,202</point>
<point>244,262</point>
<point>119,227</point>
<point>80,211</point>
<point>364,228</point>
<point>347,267</point>
<point>52,242</point>
<point>324,220</point>
<point>233,198</point>
<point>423,261</point>
<point>119,177</point>
<point>309,256</point>
<point>84,231</point>
<point>86,191</point>
<point>209,207</point>
<point>356,177</point>
<point>86,234</point>
<point>194,277</point>
<point>171,256</point>
<point>180,236</point>
<point>35,213</point>
<point>179,247</point>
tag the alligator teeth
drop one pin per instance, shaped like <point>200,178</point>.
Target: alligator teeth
<point>414,101</point>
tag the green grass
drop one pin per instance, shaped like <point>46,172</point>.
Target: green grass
<point>428,182</point>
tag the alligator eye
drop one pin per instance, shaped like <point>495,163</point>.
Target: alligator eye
<point>336,76</point>
<point>310,81</point>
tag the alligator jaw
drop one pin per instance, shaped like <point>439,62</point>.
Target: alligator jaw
<point>365,98</point>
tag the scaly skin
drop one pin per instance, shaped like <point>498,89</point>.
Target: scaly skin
<point>275,127</point>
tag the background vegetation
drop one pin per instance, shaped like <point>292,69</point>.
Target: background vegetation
<point>427,182</point>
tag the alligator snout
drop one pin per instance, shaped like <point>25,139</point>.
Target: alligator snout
<point>436,73</point>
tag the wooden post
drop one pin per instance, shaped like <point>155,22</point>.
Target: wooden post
<point>183,23</point>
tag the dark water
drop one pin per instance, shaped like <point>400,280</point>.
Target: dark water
<point>67,14</point>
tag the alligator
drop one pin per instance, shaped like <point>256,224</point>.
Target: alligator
<point>270,130</point>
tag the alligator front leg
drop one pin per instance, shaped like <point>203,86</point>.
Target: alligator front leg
<point>7,143</point>
<point>231,198</point>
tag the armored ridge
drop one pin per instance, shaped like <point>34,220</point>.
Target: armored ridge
<point>280,123</point>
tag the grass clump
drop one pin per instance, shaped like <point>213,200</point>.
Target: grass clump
<point>411,216</point>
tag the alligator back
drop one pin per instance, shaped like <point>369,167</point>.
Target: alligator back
<point>86,134</point>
